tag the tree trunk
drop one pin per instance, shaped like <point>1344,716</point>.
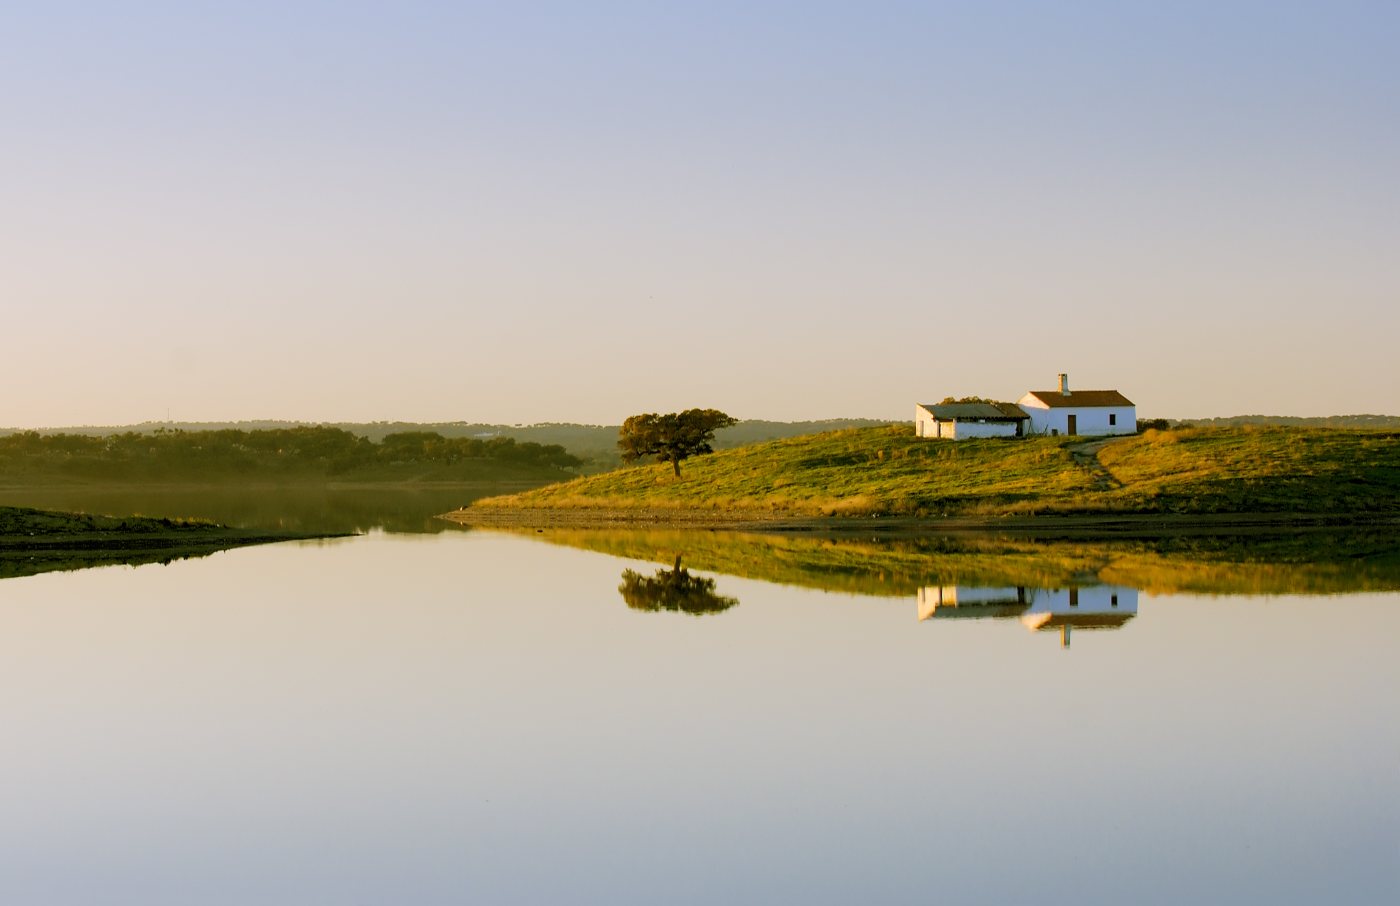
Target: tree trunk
<point>676,465</point>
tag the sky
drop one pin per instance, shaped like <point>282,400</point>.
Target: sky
<point>524,212</point>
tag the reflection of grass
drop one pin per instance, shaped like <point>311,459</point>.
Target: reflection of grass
<point>1316,563</point>
<point>31,563</point>
<point>888,471</point>
<point>35,541</point>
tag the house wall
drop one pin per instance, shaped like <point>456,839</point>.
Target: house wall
<point>932,597</point>
<point>1092,420</point>
<point>1091,607</point>
<point>964,430</point>
<point>925,425</point>
<point>1090,599</point>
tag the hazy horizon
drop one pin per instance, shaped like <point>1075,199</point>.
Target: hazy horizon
<point>565,422</point>
<point>463,212</point>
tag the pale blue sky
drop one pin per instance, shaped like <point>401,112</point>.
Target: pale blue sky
<point>573,212</point>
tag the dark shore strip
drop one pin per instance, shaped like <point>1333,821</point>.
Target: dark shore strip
<point>41,541</point>
<point>28,533</point>
<point>1084,526</point>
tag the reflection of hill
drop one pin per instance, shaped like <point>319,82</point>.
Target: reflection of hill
<point>39,541</point>
<point>1315,563</point>
<point>309,508</point>
<point>32,564</point>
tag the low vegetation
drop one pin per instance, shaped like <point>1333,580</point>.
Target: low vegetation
<point>887,471</point>
<point>595,445</point>
<point>1390,422</point>
<point>274,455</point>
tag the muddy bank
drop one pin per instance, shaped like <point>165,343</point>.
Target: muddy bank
<point>1077,526</point>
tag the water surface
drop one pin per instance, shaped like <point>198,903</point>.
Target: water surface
<point>306,507</point>
<point>483,717</point>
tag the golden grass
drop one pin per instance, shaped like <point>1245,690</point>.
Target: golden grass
<point>889,471</point>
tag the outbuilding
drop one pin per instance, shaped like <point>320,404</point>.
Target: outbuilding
<point>959,421</point>
<point>1087,412</point>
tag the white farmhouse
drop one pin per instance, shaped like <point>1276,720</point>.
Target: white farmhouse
<point>1088,412</point>
<point>959,421</point>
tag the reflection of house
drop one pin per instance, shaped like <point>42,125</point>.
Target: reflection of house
<point>959,421</point>
<point>1084,607</point>
<point>1079,412</point>
<point>968,602</point>
<point>1087,607</point>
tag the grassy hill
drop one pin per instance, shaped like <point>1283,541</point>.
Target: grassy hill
<point>888,471</point>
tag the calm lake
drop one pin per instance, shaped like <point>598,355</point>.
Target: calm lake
<point>430,715</point>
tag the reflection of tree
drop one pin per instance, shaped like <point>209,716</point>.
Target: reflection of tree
<point>673,589</point>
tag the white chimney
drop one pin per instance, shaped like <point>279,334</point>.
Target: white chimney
<point>1064,385</point>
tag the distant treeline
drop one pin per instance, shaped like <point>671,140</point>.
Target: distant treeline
<point>1294,421</point>
<point>308,450</point>
<point>595,445</point>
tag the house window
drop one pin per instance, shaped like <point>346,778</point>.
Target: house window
<point>1114,601</point>
<point>1113,418</point>
<point>1074,597</point>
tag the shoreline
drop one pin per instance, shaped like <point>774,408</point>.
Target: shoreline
<point>30,531</point>
<point>272,485</point>
<point>1125,525</point>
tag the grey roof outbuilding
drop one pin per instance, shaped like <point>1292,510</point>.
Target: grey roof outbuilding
<point>990,412</point>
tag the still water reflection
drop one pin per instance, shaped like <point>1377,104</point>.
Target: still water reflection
<point>673,589</point>
<point>1062,610</point>
<point>294,508</point>
<point>477,717</point>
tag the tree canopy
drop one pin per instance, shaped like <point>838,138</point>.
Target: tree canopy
<point>671,437</point>
<point>305,450</point>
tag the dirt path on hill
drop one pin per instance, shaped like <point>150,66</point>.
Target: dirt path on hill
<point>1086,456</point>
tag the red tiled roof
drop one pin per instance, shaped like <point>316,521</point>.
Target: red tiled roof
<point>1057,400</point>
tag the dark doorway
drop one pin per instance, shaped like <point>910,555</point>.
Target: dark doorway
<point>1073,424</point>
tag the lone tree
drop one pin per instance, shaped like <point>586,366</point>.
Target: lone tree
<point>671,437</point>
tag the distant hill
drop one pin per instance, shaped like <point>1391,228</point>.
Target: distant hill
<point>1294,421</point>
<point>595,444</point>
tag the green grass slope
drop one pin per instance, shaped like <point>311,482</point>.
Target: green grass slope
<point>888,471</point>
